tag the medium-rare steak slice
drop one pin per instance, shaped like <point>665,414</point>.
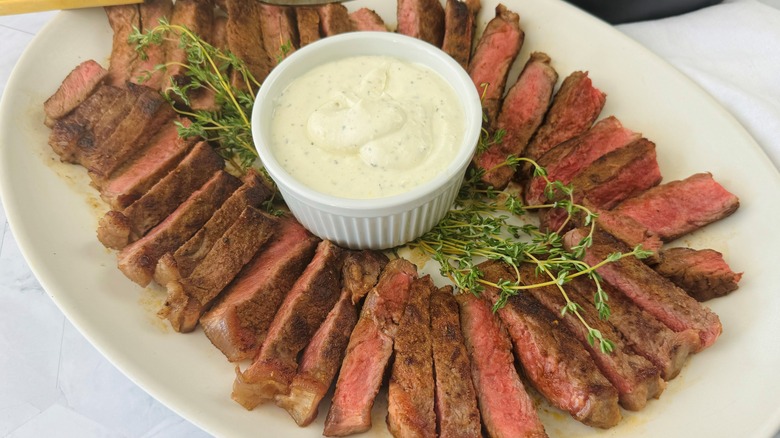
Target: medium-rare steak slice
<point>507,410</point>
<point>493,57</point>
<point>552,359</point>
<point>647,288</point>
<point>238,323</point>
<point>636,379</point>
<point>422,19</point>
<point>455,402</point>
<point>304,309</point>
<point>180,264</point>
<point>78,85</point>
<point>162,199</point>
<point>365,19</point>
<point>122,19</point>
<point>566,160</point>
<point>280,31</point>
<point>703,274</point>
<point>139,259</point>
<point>189,297</point>
<point>625,229</point>
<point>245,39</point>
<point>308,20</point>
<point>198,17</point>
<point>677,208</point>
<point>369,350</point>
<point>458,31</point>
<point>361,272</point>
<point>521,114</point>
<point>665,348</point>
<point>334,19</point>
<point>576,105</point>
<point>410,392</point>
<point>144,72</point>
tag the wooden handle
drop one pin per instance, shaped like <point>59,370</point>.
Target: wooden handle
<point>9,7</point>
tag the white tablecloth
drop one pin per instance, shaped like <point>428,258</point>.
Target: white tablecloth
<point>54,383</point>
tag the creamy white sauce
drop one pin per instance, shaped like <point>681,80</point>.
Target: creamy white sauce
<point>367,127</point>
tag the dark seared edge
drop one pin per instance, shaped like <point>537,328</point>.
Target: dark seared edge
<point>77,86</point>
<point>361,272</point>
<point>198,17</point>
<point>280,31</point>
<point>422,19</point>
<point>458,31</point>
<point>245,39</point>
<point>152,11</point>
<point>365,19</point>
<point>703,274</point>
<point>334,19</point>
<point>122,19</point>
<point>308,22</point>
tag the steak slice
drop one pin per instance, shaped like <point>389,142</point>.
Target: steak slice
<point>421,19</point>
<point>180,264</point>
<point>369,350</point>
<point>80,83</point>
<point>455,402</point>
<point>553,360</point>
<point>521,114</point>
<point>198,17</point>
<point>189,297</point>
<point>238,322</point>
<point>245,40</point>
<point>507,410</point>
<point>576,105</point>
<point>493,57</point>
<point>566,160</point>
<point>458,31</point>
<point>648,289</point>
<point>703,274</point>
<point>280,31</point>
<point>649,337</point>
<point>122,19</point>
<point>139,259</point>
<point>410,391</point>
<point>144,72</point>
<point>334,19</point>
<point>677,208</point>
<point>308,20</point>
<point>365,19</point>
<point>625,229</point>
<point>361,272</point>
<point>635,378</point>
<point>162,199</point>
<point>304,309</point>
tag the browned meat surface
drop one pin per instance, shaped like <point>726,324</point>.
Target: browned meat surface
<point>152,11</point>
<point>365,19</point>
<point>308,20</point>
<point>625,229</point>
<point>122,19</point>
<point>410,391</point>
<point>566,160</point>
<point>304,309</point>
<point>521,114</point>
<point>78,85</point>
<point>423,19</point>
<point>493,57</point>
<point>238,323</point>
<point>334,19</point>
<point>361,272</point>
<point>703,274</point>
<point>677,208</point>
<point>636,379</point>
<point>245,39</point>
<point>369,350</point>
<point>457,414</point>
<point>219,33</point>
<point>458,31</point>
<point>576,105</point>
<point>280,31</point>
<point>507,410</point>
<point>139,259</point>
<point>163,198</point>
<point>665,348</point>
<point>197,16</point>
<point>552,359</point>
<point>648,289</point>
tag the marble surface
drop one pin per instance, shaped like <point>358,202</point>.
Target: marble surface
<point>54,383</point>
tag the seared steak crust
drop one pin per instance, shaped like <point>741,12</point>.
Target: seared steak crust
<point>198,17</point>
<point>152,11</point>
<point>122,19</point>
<point>365,19</point>
<point>422,19</point>
<point>280,31</point>
<point>361,272</point>
<point>308,21</point>
<point>80,83</point>
<point>703,274</point>
<point>458,31</point>
<point>334,19</point>
<point>245,39</point>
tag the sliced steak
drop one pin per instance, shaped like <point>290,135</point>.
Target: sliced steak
<point>576,105</point>
<point>334,19</point>
<point>197,16</point>
<point>304,309</point>
<point>422,19</point>
<point>180,264</point>
<point>677,208</point>
<point>122,19</point>
<point>238,323</point>
<point>245,39</point>
<point>308,20</point>
<point>80,83</point>
<point>566,160</point>
<point>410,391</point>
<point>521,114</point>
<point>369,350</point>
<point>636,379</point>
<point>189,297</point>
<point>507,410</point>
<point>665,348</point>
<point>144,71</point>
<point>648,289</point>
<point>139,259</point>
<point>458,31</point>
<point>625,229</point>
<point>361,272</point>
<point>280,31</point>
<point>552,359</point>
<point>493,57</point>
<point>365,19</point>
<point>457,413</point>
<point>703,274</point>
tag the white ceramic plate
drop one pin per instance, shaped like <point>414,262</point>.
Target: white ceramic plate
<point>731,389</point>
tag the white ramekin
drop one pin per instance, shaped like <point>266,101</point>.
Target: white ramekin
<point>368,223</point>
